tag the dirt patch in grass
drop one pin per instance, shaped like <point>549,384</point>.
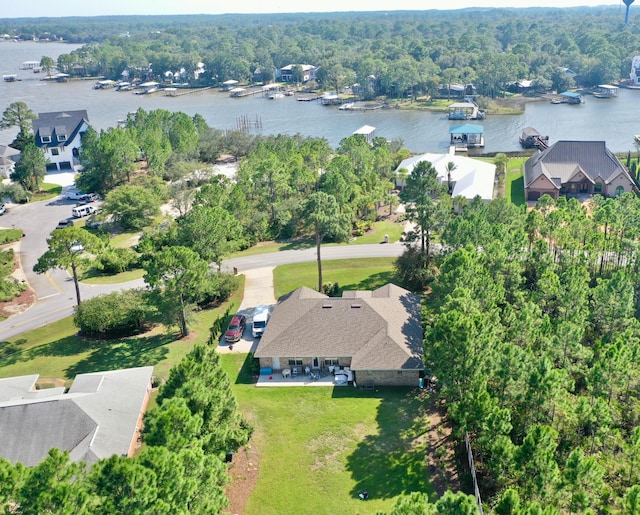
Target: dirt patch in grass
<point>243,472</point>
<point>441,459</point>
<point>21,303</point>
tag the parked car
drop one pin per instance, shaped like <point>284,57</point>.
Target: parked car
<point>74,194</point>
<point>77,247</point>
<point>261,315</point>
<point>80,211</point>
<point>91,197</point>
<point>3,209</point>
<point>64,223</point>
<point>236,328</point>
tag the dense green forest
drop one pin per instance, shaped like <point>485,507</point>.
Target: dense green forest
<point>534,338</point>
<point>394,54</point>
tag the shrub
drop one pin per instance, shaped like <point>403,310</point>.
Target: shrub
<point>115,314</point>
<point>117,260</point>
<point>219,287</point>
<point>414,270</point>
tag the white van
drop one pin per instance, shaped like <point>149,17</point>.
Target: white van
<point>73,194</point>
<point>261,316</point>
<point>81,211</point>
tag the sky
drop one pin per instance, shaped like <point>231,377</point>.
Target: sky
<point>47,8</point>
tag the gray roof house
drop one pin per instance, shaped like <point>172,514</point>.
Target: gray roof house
<point>59,135</point>
<point>99,416</point>
<point>576,168</point>
<point>9,156</point>
<point>376,334</point>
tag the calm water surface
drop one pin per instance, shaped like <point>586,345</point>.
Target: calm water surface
<point>614,121</point>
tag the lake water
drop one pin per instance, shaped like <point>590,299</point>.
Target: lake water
<point>614,121</point>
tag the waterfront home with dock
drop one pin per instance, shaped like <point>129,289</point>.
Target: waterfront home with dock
<point>465,111</point>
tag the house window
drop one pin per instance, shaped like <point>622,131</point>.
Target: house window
<point>295,362</point>
<point>399,372</point>
<point>46,139</point>
<point>55,152</point>
<point>619,191</point>
<point>598,187</point>
<point>62,137</point>
<point>331,362</point>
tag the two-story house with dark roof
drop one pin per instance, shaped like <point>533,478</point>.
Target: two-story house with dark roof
<point>59,136</point>
<point>576,168</point>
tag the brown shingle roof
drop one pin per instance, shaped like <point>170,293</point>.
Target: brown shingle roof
<point>379,330</point>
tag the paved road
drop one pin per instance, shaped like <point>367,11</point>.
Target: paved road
<point>55,291</point>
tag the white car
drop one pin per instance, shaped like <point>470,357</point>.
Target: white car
<point>3,209</point>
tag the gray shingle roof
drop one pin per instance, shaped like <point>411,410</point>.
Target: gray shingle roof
<point>63,123</point>
<point>98,417</point>
<point>379,330</point>
<point>562,159</point>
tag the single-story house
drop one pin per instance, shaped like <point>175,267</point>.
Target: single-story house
<point>59,135</point>
<point>574,168</point>
<point>470,178</point>
<point>99,416</point>
<point>377,334</point>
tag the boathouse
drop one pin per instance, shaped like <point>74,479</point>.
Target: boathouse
<point>467,136</point>
<point>569,97</point>
<point>576,169</point>
<point>465,111</point>
<point>367,131</point>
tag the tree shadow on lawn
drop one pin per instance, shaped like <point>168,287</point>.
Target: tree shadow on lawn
<point>297,244</point>
<point>372,282</point>
<point>392,462</point>
<point>11,352</point>
<point>123,353</point>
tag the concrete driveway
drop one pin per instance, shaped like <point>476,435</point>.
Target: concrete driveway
<point>258,291</point>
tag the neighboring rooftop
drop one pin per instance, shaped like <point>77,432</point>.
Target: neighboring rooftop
<point>98,417</point>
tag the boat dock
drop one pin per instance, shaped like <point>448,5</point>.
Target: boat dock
<point>178,92</point>
<point>531,138</point>
<point>465,111</point>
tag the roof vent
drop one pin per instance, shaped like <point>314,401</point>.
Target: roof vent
<point>356,306</point>
<point>327,306</point>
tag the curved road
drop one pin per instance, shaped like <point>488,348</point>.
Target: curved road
<point>55,292</point>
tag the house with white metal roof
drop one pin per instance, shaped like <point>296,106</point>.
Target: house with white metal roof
<point>470,178</point>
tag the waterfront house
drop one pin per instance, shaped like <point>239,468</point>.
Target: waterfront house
<point>308,73</point>
<point>376,336</point>
<point>576,168</point>
<point>99,416</point>
<point>469,178</point>
<point>59,135</point>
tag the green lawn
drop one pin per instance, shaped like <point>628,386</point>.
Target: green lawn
<point>47,191</point>
<point>57,351</point>
<point>93,276</point>
<point>324,445</point>
<point>350,274</point>
<point>515,181</point>
<point>375,235</point>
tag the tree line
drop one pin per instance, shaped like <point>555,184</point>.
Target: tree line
<point>391,54</point>
<point>533,335</point>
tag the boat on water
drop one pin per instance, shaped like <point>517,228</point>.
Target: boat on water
<point>10,78</point>
<point>274,96</point>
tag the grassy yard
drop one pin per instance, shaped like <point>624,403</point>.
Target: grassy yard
<point>515,181</point>
<point>319,447</point>
<point>350,274</point>
<point>47,191</point>
<point>56,351</point>
<point>375,235</point>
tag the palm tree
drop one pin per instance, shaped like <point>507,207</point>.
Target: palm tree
<point>451,166</point>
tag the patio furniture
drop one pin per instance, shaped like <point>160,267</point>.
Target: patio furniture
<point>369,385</point>
<point>307,371</point>
<point>286,373</point>
<point>294,372</point>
